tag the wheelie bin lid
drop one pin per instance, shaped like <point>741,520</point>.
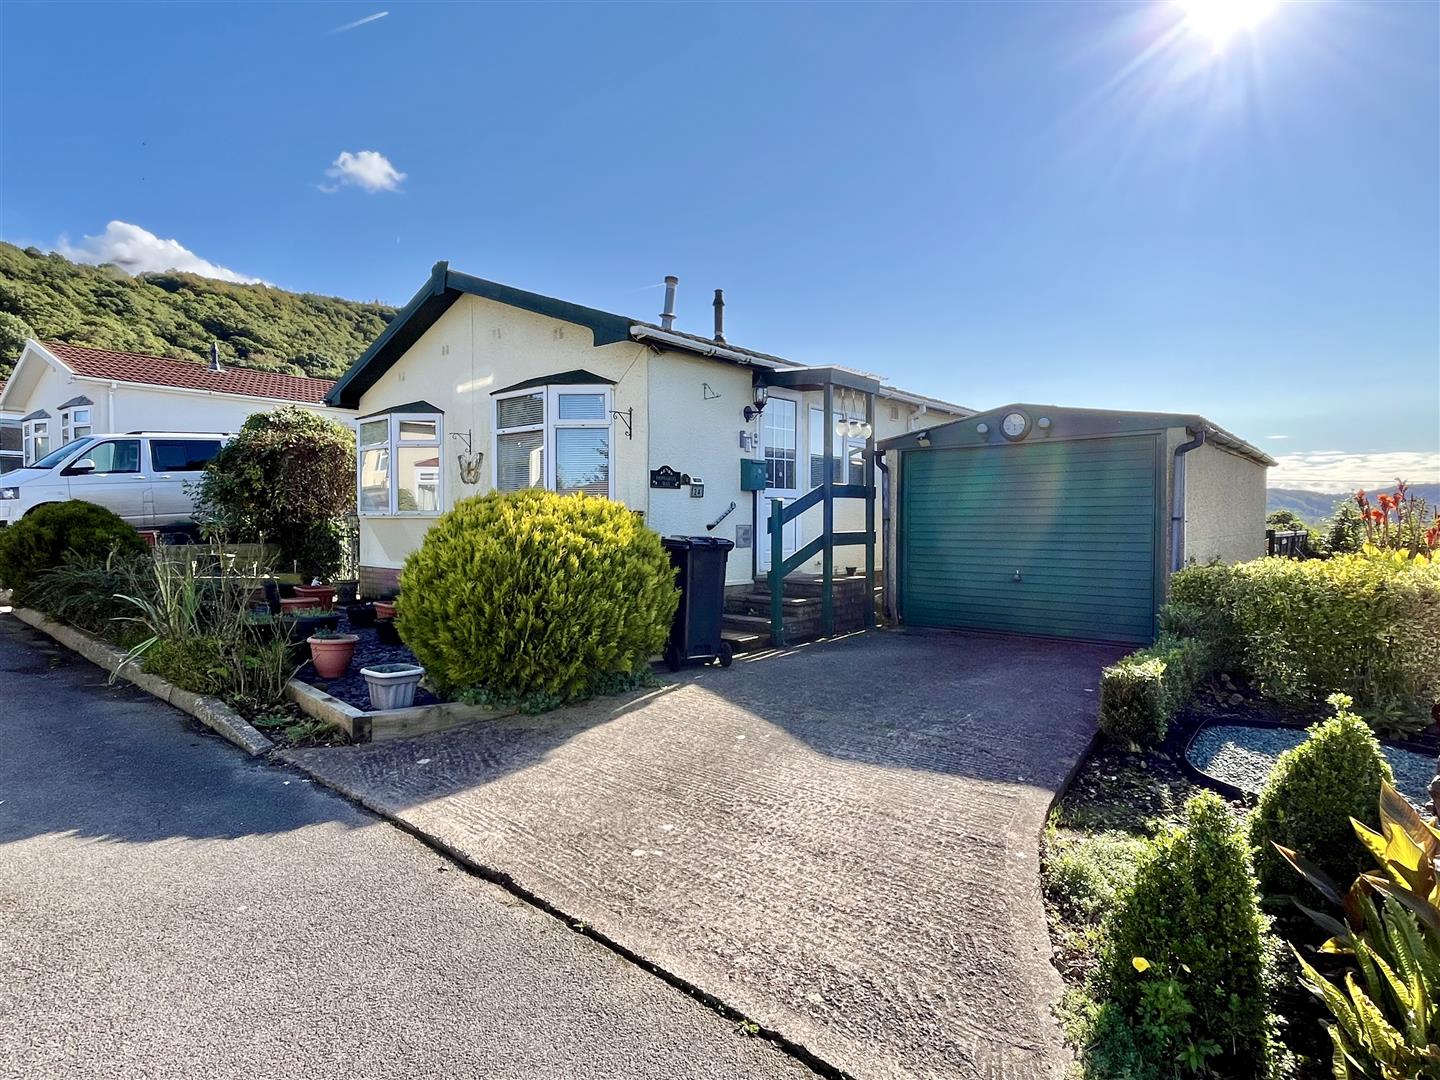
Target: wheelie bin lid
<point>682,543</point>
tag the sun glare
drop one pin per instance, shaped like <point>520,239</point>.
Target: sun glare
<point>1220,20</point>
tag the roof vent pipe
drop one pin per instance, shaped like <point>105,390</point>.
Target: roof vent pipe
<point>667,317</point>
<point>215,356</point>
<point>720,316</point>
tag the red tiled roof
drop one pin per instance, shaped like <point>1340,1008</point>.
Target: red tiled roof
<point>188,375</point>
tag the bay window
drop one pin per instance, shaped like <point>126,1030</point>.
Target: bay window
<point>35,437</point>
<point>75,419</point>
<point>556,437</point>
<point>398,464</point>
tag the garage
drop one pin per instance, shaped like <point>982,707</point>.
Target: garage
<point>1056,522</point>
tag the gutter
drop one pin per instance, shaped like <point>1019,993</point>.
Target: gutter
<point>1177,497</point>
<point>720,352</point>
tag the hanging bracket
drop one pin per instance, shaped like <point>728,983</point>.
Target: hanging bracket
<point>627,418</point>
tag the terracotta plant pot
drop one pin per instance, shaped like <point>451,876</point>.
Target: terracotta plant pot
<point>331,655</point>
<point>384,609</point>
<point>392,686</point>
<point>292,604</point>
<point>320,595</point>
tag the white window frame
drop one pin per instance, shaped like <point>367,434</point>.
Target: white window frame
<point>70,425</point>
<point>393,444</point>
<point>28,435</point>
<point>842,447</point>
<point>550,422</point>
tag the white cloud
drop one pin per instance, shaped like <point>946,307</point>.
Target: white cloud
<point>1277,436</point>
<point>359,22</point>
<point>1334,470</point>
<point>368,170</point>
<point>138,251</point>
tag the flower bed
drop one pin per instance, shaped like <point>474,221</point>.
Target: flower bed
<point>369,651</point>
<point>1242,755</point>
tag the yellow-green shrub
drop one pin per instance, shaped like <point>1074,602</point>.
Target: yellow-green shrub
<point>1140,694</point>
<point>1311,795</point>
<point>1367,625</point>
<point>531,592</point>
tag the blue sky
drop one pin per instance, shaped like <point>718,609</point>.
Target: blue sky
<point>1084,204</point>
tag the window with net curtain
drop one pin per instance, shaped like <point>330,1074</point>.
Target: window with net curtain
<point>572,423</point>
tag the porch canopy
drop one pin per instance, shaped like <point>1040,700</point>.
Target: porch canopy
<point>826,380</point>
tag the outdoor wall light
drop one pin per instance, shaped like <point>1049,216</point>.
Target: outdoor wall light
<point>983,429</point>
<point>924,438</point>
<point>762,395</point>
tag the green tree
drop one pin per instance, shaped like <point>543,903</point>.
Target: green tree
<point>178,315</point>
<point>287,478</point>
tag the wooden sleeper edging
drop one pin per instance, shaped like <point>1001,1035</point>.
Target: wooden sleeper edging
<point>386,724</point>
<point>210,711</point>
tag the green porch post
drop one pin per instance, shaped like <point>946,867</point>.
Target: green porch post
<point>827,584</point>
<point>777,577</point>
<point>870,513</point>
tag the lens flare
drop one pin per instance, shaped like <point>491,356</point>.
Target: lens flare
<point>1221,20</point>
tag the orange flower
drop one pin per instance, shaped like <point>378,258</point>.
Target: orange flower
<point>1360,499</point>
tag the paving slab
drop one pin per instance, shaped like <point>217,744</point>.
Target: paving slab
<point>840,840</point>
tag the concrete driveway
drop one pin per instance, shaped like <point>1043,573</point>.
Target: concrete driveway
<point>841,840</point>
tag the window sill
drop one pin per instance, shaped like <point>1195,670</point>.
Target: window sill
<point>408,515</point>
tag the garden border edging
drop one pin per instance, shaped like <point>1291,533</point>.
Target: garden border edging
<point>386,724</point>
<point>210,711</point>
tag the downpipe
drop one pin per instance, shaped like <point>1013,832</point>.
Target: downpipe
<point>1177,498</point>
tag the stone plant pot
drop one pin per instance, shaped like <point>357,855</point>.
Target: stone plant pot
<point>331,655</point>
<point>347,591</point>
<point>392,686</point>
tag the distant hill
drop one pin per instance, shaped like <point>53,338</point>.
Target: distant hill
<point>1316,506</point>
<point>173,314</point>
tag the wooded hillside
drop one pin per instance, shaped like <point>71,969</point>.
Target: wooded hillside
<point>172,314</point>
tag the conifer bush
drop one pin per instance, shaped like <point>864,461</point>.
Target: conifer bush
<point>534,593</point>
<point>1311,795</point>
<point>1185,976</point>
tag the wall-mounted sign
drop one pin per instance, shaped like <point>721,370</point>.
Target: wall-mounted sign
<point>666,477</point>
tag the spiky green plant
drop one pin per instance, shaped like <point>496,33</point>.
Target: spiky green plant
<point>1386,1007</point>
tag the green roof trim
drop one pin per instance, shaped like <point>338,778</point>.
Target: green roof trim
<point>435,297</point>
<point>408,407</point>
<point>1070,423</point>
<point>577,377</point>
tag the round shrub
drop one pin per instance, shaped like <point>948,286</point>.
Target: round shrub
<point>288,479</point>
<point>1308,801</point>
<point>533,593</point>
<point>45,537</point>
<point>1187,963</point>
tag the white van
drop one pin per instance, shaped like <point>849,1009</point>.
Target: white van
<point>141,475</point>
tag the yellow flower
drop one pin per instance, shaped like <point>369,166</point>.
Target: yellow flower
<point>1140,964</point>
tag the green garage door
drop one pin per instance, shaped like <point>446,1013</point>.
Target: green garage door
<point>1075,519</point>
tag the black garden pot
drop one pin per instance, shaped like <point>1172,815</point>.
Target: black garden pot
<point>386,633</point>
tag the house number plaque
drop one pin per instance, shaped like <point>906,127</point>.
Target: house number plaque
<point>666,477</point>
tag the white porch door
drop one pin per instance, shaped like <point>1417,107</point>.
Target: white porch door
<point>780,442</point>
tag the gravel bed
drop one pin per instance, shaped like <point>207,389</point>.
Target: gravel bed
<point>1243,756</point>
<point>369,651</point>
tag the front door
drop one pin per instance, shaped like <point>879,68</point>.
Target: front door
<point>780,442</point>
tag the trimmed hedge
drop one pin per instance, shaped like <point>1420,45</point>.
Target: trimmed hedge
<point>1310,797</point>
<point>1187,966</point>
<point>49,535</point>
<point>1140,694</point>
<point>1367,625</point>
<point>532,593</point>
